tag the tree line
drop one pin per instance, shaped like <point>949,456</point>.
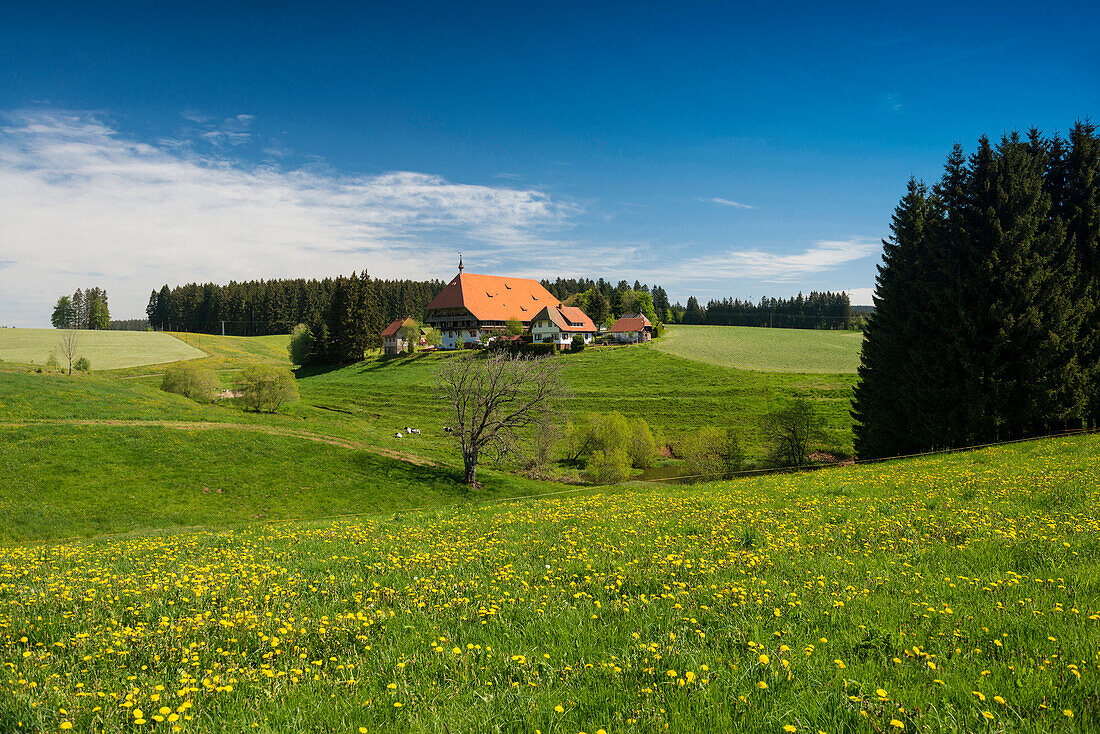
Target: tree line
<point>84,309</point>
<point>261,307</point>
<point>987,310</point>
<point>819,310</point>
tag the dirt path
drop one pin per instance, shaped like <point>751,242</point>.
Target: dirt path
<point>209,426</point>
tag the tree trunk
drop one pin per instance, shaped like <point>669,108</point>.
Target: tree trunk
<point>470,462</point>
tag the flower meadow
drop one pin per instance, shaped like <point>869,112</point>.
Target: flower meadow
<point>956,593</point>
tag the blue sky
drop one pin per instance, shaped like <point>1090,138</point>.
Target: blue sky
<point>718,149</point>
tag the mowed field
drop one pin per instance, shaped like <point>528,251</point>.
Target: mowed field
<point>767,350</point>
<point>107,350</point>
<point>955,593</point>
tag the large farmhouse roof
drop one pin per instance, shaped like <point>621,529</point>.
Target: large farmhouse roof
<point>567,318</point>
<point>494,298</point>
<point>631,322</point>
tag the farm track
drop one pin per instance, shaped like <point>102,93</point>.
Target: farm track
<point>209,425</point>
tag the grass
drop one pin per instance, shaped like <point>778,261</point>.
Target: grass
<point>82,480</point>
<point>952,593</point>
<point>107,350</point>
<point>768,350</point>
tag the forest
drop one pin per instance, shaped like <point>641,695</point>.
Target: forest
<point>987,320</point>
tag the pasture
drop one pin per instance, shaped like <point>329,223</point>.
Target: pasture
<point>766,350</point>
<point>107,350</point>
<point>952,593</point>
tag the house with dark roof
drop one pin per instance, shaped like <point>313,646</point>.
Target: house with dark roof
<point>472,304</point>
<point>632,328</point>
<point>559,326</point>
<point>393,342</point>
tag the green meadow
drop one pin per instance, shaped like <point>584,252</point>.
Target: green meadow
<point>766,350</point>
<point>107,350</point>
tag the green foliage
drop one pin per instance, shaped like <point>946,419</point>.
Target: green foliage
<point>607,467</point>
<point>301,345</point>
<point>63,316</point>
<point>266,387</point>
<point>82,364</point>
<point>577,344</point>
<point>792,431</point>
<point>985,300</point>
<point>51,361</point>
<point>191,381</point>
<point>513,326</point>
<point>433,338</point>
<point>641,445</point>
<point>712,453</point>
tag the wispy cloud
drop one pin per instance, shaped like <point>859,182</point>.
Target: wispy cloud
<point>861,296</point>
<point>727,202</point>
<point>892,102</point>
<point>775,267</point>
<point>77,197</point>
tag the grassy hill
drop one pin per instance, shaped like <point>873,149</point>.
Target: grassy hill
<point>768,350</point>
<point>953,593</point>
<point>107,350</point>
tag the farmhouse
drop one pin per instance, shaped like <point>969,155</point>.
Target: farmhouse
<point>472,304</point>
<point>393,342</point>
<point>632,328</point>
<point>559,326</point>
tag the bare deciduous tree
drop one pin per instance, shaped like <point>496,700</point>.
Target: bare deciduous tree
<point>69,345</point>
<point>492,401</point>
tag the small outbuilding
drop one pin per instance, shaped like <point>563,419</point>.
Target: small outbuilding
<point>393,342</point>
<point>632,328</point>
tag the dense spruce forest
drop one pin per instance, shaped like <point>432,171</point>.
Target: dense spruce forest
<point>260,307</point>
<point>987,320</point>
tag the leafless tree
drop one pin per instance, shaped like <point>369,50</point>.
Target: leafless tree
<point>493,400</point>
<point>69,345</point>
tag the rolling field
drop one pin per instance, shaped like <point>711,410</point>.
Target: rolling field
<point>767,350</point>
<point>953,593</point>
<point>107,350</point>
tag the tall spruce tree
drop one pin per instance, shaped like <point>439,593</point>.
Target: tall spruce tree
<point>883,420</point>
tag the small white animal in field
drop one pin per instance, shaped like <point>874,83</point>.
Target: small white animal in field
<point>414,430</point>
<point>398,434</point>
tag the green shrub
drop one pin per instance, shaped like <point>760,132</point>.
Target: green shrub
<point>712,454</point>
<point>610,467</point>
<point>301,345</point>
<point>577,345</point>
<point>193,382</point>
<point>51,361</point>
<point>82,364</point>
<point>641,445</point>
<point>266,387</point>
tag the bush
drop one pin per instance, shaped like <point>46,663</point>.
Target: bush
<point>791,430</point>
<point>51,361</point>
<point>641,446</point>
<point>577,345</point>
<point>266,387</point>
<point>712,454</point>
<point>301,345</point>
<point>193,382</point>
<point>82,364</point>
<point>610,467</point>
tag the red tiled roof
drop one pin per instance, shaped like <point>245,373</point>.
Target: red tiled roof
<point>562,317</point>
<point>494,298</point>
<point>638,322</point>
<point>394,327</point>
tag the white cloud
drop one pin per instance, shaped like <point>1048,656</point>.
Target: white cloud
<point>83,205</point>
<point>727,202</point>
<point>775,267</point>
<point>861,296</point>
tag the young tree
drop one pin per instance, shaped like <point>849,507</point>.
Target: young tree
<point>63,315</point>
<point>300,347</point>
<point>493,400</point>
<point>82,364</point>
<point>70,342</point>
<point>410,333</point>
<point>266,387</point>
<point>513,326</point>
<point>791,431</point>
<point>197,383</point>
